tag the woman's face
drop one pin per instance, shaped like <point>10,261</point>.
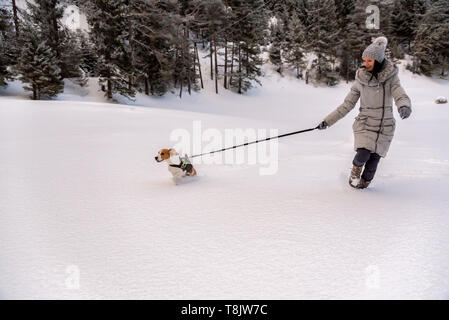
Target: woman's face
<point>369,63</point>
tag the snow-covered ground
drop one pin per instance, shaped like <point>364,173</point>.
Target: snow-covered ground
<point>81,198</point>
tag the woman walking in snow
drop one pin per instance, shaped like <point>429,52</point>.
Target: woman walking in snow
<point>377,83</point>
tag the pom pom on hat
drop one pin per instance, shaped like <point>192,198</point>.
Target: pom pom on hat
<point>381,41</point>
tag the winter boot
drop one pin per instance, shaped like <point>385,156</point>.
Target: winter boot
<point>363,184</point>
<point>354,178</point>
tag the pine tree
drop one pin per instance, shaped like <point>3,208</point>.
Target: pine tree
<point>431,44</point>
<point>277,43</point>
<point>212,18</point>
<point>357,38</point>
<point>344,10</point>
<point>5,24</point>
<point>4,73</point>
<point>15,13</point>
<point>45,16</point>
<point>227,55</point>
<point>109,22</point>
<point>386,8</point>
<point>323,39</point>
<point>281,11</point>
<point>406,17</point>
<point>286,9</point>
<point>6,52</point>
<point>88,63</point>
<point>155,27</point>
<point>71,57</point>
<point>294,53</point>
<point>38,66</point>
<point>249,23</point>
<point>185,6</point>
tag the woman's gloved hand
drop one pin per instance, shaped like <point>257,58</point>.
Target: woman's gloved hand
<point>323,125</point>
<point>405,112</point>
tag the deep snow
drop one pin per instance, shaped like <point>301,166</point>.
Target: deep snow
<point>80,190</point>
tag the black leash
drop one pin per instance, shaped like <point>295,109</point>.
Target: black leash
<point>248,143</point>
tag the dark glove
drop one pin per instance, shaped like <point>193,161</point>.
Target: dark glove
<point>405,112</point>
<point>323,125</point>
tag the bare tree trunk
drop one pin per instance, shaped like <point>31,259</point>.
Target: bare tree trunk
<point>175,76</point>
<point>202,36</point>
<point>16,18</point>
<point>146,87</point>
<point>319,67</point>
<point>131,44</point>
<point>211,61</point>
<point>187,51</point>
<point>199,66</point>
<point>226,51</point>
<point>34,92</point>
<point>232,62</point>
<point>109,89</point>
<point>56,35</point>
<point>226,65</point>
<point>216,62</point>
<point>180,90</point>
<point>194,61</point>
<point>240,70</point>
<point>247,63</point>
<point>182,70</point>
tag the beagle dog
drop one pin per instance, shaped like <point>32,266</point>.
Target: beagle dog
<point>177,166</point>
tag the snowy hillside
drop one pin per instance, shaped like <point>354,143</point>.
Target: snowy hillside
<point>81,197</point>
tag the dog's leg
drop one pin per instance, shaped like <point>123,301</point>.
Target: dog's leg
<point>178,176</point>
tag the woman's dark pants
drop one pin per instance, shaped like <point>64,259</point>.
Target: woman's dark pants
<point>370,160</point>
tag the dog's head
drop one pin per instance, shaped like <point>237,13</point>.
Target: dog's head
<point>165,154</point>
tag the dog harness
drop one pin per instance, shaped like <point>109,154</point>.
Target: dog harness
<point>184,165</point>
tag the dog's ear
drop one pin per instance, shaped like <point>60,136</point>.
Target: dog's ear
<point>173,152</point>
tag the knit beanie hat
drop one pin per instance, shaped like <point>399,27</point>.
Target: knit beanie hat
<point>376,50</point>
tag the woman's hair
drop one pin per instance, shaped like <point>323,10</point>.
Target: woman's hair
<point>377,68</point>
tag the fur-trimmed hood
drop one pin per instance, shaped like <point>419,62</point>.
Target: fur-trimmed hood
<point>388,71</point>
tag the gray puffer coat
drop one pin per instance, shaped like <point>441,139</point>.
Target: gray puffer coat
<point>374,126</point>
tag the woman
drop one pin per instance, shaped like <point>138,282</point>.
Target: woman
<point>377,83</point>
